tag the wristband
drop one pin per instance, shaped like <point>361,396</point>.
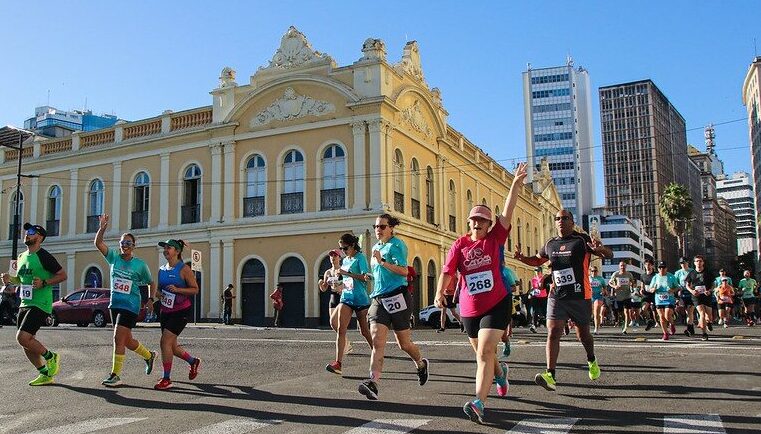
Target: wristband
<point>43,283</point>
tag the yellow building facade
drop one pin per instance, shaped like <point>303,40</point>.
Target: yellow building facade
<point>265,180</point>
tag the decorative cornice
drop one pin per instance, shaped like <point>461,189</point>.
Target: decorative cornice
<point>292,106</point>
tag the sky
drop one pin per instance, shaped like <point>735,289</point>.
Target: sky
<point>136,59</point>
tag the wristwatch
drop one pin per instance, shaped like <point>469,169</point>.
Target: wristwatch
<point>43,283</point>
<point>383,260</point>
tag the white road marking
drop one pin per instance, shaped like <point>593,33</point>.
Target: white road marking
<point>550,425</point>
<point>234,426</point>
<point>389,426</point>
<point>90,425</point>
<point>693,423</point>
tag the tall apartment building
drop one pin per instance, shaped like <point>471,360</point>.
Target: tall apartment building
<point>558,113</point>
<point>752,101</point>
<point>644,149</point>
<point>737,190</point>
<point>52,122</point>
<point>625,236</point>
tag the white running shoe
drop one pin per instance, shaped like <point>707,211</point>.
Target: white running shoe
<point>348,348</point>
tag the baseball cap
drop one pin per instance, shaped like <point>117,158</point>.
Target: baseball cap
<point>538,269</point>
<point>480,211</point>
<point>683,260</point>
<point>171,243</point>
<point>39,229</point>
<point>335,252</point>
<point>661,264</point>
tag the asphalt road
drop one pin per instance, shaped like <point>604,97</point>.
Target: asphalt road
<point>274,381</point>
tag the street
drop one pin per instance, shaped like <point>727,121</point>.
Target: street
<point>274,381</point>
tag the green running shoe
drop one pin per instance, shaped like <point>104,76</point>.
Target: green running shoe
<point>594,370</point>
<point>546,380</point>
<point>113,380</point>
<point>54,365</point>
<point>506,350</point>
<point>149,363</point>
<point>41,380</point>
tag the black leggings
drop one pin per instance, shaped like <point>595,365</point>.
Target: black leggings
<point>538,308</point>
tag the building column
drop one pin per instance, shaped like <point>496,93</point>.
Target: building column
<point>387,180</point>
<point>215,280</point>
<point>33,205</point>
<point>229,182</point>
<point>228,272</point>
<point>360,180</point>
<point>71,279</point>
<point>164,192</point>
<point>378,165</point>
<point>117,198</point>
<point>74,192</point>
<point>216,182</point>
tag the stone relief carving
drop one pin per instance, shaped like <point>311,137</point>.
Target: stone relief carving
<point>374,49</point>
<point>413,117</point>
<point>292,106</point>
<point>295,51</point>
<point>410,63</point>
<point>227,77</point>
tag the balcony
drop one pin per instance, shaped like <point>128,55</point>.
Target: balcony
<point>139,219</point>
<point>429,214</point>
<point>92,223</point>
<point>452,223</point>
<point>331,199</point>
<point>398,202</point>
<point>53,227</point>
<point>191,214</point>
<point>292,203</point>
<point>415,208</point>
<point>253,206</point>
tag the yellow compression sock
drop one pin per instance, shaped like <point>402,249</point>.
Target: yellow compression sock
<point>142,351</point>
<point>118,362</point>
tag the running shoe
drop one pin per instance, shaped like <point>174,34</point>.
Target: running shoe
<point>502,384</point>
<point>665,337</point>
<point>113,380</point>
<point>566,330</point>
<point>506,350</point>
<point>41,380</point>
<point>54,365</point>
<point>673,329</point>
<point>650,324</point>
<point>334,367</point>
<point>163,384</point>
<point>348,348</point>
<point>721,321</point>
<point>369,389</point>
<point>440,330</point>
<point>690,330</point>
<point>623,332</point>
<point>475,411</point>
<point>726,325</point>
<point>594,370</point>
<point>594,332</point>
<point>631,323</point>
<point>705,336</point>
<point>546,380</point>
<point>422,373</point>
<point>149,363</point>
<point>710,327</point>
<point>532,328</point>
<point>193,373</point>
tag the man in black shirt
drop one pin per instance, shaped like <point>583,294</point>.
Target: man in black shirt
<point>648,298</point>
<point>228,297</point>
<point>700,284</point>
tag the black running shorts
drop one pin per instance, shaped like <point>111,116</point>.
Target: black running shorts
<point>399,320</point>
<point>123,317</point>
<point>702,299</point>
<point>30,319</point>
<point>175,322</point>
<point>496,318</point>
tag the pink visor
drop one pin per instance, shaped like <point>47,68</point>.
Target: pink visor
<point>335,252</point>
<point>480,211</point>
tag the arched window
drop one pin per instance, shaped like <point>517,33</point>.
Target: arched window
<point>528,240</point>
<point>468,207</point>
<point>415,188</point>
<point>191,205</point>
<point>398,181</point>
<point>12,213</point>
<point>429,196</point>
<point>292,197</point>
<point>141,197</point>
<point>519,246</point>
<point>53,218</point>
<point>256,186</point>
<point>536,238</point>
<point>431,277</point>
<point>452,207</point>
<point>94,204</point>
<point>333,193</point>
<point>93,278</point>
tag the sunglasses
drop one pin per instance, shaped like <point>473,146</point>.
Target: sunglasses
<point>562,218</point>
<point>126,243</point>
<point>343,249</point>
<point>31,231</point>
<point>381,227</point>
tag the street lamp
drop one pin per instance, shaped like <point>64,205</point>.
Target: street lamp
<point>6,138</point>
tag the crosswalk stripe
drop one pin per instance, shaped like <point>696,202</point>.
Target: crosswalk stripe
<point>90,425</point>
<point>389,426</point>
<point>234,426</point>
<point>693,423</point>
<point>550,425</point>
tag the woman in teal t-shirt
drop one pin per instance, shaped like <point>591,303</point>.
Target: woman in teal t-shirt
<point>664,285</point>
<point>599,292</point>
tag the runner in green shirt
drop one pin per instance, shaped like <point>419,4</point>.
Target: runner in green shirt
<point>749,288</point>
<point>38,271</point>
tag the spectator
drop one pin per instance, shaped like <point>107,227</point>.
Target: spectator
<point>228,298</point>
<point>277,302</point>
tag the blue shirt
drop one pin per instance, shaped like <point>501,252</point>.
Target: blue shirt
<point>394,252</point>
<point>355,291</point>
<point>662,285</point>
<point>126,279</point>
<point>598,283</point>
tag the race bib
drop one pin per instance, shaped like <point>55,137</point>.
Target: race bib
<point>348,284</point>
<point>332,280</point>
<point>700,289</point>
<point>167,299</point>
<point>122,286</point>
<point>564,277</point>
<point>663,297</point>
<point>536,292</point>
<point>394,304</point>
<point>623,280</point>
<point>726,299</point>
<point>479,282</point>
<point>26,292</point>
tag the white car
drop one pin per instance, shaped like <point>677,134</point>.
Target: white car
<point>431,315</point>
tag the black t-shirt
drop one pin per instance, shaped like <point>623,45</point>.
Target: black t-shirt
<point>702,278</point>
<point>570,258</point>
<point>646,279</point>
<point>228,299</point>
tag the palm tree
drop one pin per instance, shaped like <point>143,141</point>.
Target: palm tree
<point>676,211</point>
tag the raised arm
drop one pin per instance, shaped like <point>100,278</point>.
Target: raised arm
<point>512,196</point>
<point>99,243</point>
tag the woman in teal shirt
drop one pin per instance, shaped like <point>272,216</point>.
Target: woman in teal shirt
<point>391,304</point>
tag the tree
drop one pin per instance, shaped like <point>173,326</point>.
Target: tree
<point>676,211</point>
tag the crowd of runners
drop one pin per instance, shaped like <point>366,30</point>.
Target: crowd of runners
<point>570,296</point>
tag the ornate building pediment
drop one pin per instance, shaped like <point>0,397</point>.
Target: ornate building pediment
<point>410,63</point>
<point>292,106</point>
<point>414,118</point>
<point>295,51</point>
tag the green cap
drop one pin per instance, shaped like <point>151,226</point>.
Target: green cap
<point>171,243</point>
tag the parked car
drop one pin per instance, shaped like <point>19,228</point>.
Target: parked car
<point>85,306</point>
<point>431,315</point>
<point>9,304</point>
